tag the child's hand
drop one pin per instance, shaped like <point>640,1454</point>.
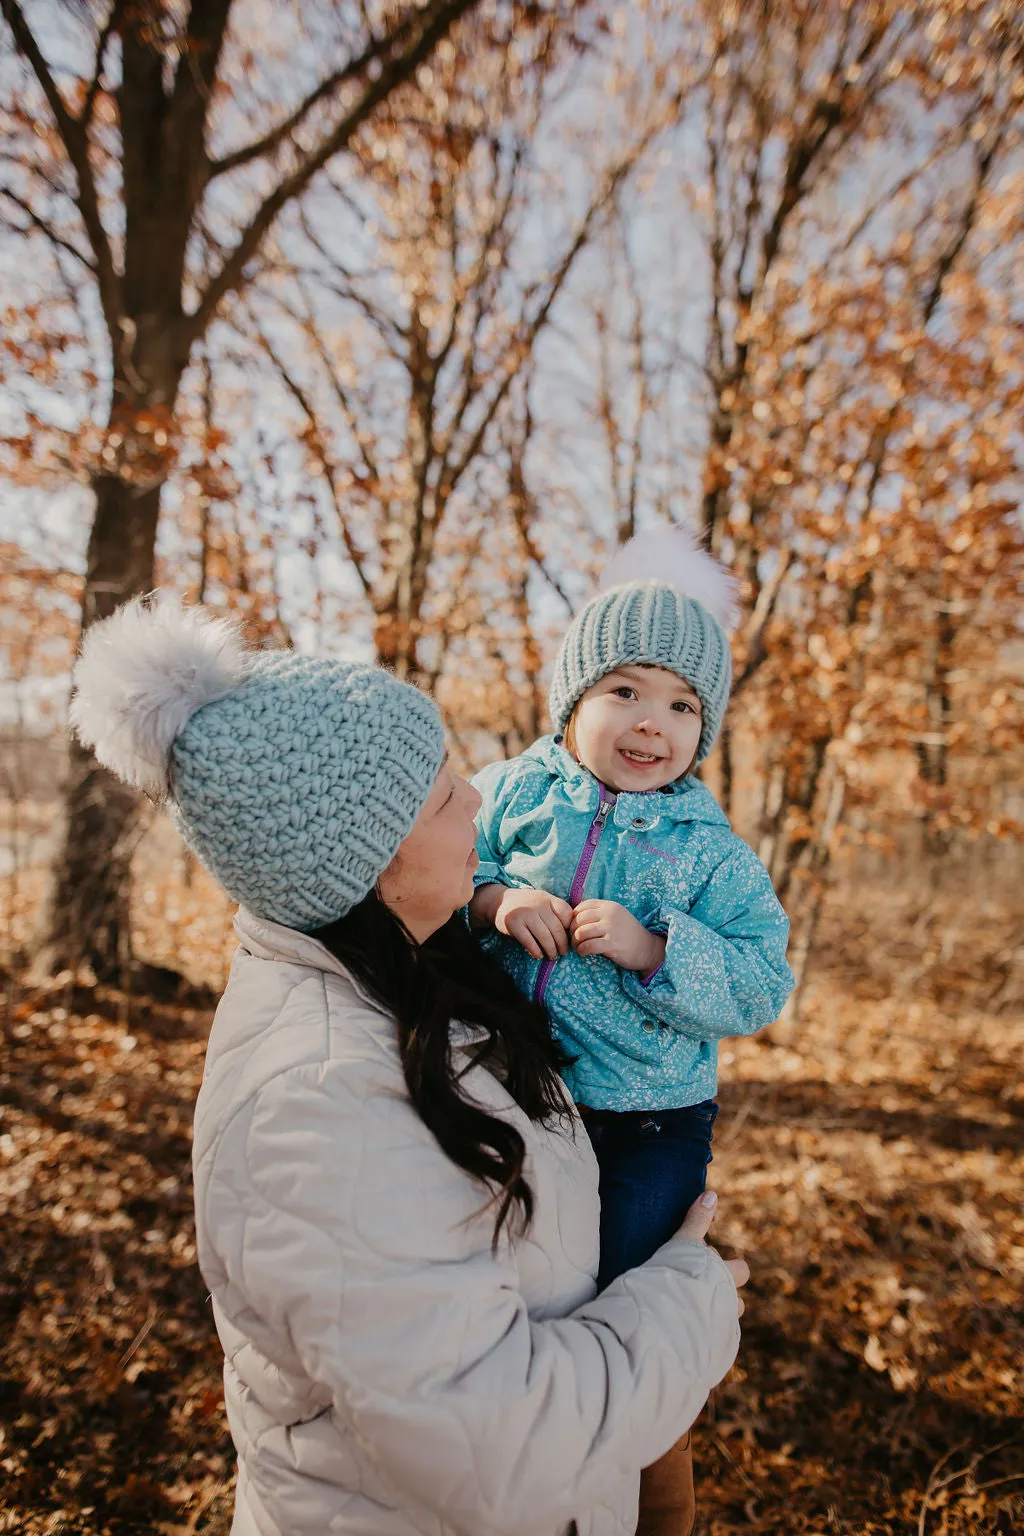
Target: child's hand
<point>536,920</point>
<point>606,928</point>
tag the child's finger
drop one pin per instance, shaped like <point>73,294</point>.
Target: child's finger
<point>589,947</point>
<point>518,930</point>
<point>586,912</point>
<point>557,932</point>
<point>584,931</point>
<point>545,938</point>
<point>562,911</point>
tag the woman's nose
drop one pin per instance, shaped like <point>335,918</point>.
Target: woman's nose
<point>476,799</point>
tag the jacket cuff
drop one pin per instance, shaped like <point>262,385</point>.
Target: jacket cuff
<point>489,874</point>
<point>662,933</point>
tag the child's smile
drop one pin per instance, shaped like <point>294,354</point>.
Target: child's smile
<point>633,756</point>
<point>637,728</point>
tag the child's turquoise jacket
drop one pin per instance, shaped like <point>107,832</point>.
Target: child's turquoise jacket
<point>671,858</point>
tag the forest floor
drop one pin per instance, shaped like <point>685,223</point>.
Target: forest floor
<point>870,1162</point>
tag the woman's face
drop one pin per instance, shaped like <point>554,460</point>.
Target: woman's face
<point>431,875</point>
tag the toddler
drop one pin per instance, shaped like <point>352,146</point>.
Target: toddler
<point>619,896</point>
<point>613,890</point>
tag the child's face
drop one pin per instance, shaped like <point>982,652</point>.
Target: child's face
<point>637,728</point>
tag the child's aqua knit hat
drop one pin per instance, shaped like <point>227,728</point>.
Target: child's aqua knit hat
<point>667,603</point>
<point>293,779</point>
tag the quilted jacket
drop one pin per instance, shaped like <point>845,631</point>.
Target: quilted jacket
<point>386,1372</point>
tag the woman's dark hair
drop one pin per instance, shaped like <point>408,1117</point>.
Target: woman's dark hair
<point>425,987</point>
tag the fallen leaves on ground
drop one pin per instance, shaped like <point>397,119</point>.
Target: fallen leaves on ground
<point>870,1161</point>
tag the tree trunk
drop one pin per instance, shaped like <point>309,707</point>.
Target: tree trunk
<point>933,749</point>
<point>725,768</point>
<point>85,916</point>
<point>792,851</point>
<point>395,638</point>
<point>398,623</point>
<point>807,902</point>
<point>162,105</point>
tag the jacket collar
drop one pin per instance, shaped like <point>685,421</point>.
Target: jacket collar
<point>273,941</point>
<point>686,800</point>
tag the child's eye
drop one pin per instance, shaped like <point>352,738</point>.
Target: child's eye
<point>685,706</point>
<point>624,693</point>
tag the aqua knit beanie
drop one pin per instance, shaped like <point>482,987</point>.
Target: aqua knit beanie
<point>666,602</point>
<point>651,623</point>
<point>293,779</point>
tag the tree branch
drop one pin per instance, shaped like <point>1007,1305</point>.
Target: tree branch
<point>45,228</point>
<point>767,599</point>
<point>194,81</point>
<point>307,323</point>
<point>644,402</point>
<point>353,70</point>
<point>75,142</point>
<point>390,331</point>
<point>30,50</point>
<point>526,334</point>
<point>435,23</point>
<point>342,397</point>
<point>827,114</point>
<point>306,406</point>
<point>109,27</point>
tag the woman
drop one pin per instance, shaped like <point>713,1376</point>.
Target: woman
<point>396,1207</point>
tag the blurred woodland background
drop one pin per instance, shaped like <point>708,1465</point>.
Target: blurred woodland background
<point>378,325</point>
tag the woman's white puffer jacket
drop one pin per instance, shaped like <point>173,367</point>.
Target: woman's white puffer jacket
<point>386,1372</point>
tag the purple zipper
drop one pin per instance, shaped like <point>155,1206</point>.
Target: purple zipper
<point>579,880</point>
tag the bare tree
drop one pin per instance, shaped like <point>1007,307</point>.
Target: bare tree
<point>129,186</point>
<point>856,160</point>
<point>404,398</point>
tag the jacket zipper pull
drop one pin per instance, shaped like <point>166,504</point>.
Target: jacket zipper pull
<point>599,821</point>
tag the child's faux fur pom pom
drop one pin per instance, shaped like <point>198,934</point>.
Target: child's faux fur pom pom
<point>673,555</point>
<point>140,676</point>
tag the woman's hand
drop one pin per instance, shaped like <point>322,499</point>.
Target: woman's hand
<point>696,1225</point>
<point>607,928</point>
<point>536,920</point>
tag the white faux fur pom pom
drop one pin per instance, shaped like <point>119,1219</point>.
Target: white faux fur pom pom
<point>141,674</point>
<point>674,555</point>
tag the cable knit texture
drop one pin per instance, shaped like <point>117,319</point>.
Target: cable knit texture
<point>296,789</point>
<point>646,622</point>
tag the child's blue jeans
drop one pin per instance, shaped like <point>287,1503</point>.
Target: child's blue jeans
<point>653,1167</point>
